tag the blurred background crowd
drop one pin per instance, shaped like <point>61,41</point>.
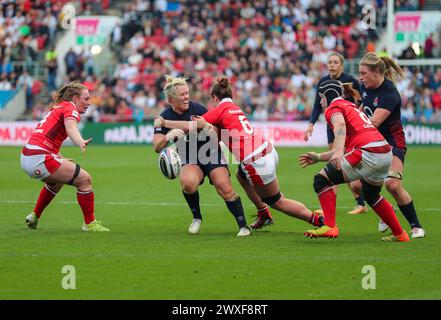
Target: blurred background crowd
<point>274,52</point>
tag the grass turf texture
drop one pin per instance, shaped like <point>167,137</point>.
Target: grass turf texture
<point>149,255</point>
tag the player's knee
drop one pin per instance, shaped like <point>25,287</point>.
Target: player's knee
<point>225,190</point>
<point>83,181</point>
<point>393,185</point>
<point>356,187</point>
<point>321,183</point>
<point>189,184</point>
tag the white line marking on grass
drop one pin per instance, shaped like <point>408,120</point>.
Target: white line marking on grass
<point>183,204</point>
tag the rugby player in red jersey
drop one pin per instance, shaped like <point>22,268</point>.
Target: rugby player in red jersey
<point>194,167</point>
<point>41,158</point>
<point>257,157</point>
<point>335,67</point>
<point>360,152</point>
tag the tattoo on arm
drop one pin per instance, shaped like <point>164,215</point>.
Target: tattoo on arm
<point>341,132</point>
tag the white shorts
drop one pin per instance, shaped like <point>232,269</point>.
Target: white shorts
<point>39,163</point>
<point>373,167</point>
<point>262,171</point>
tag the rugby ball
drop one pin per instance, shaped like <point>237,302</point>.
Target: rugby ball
<point>169,163</point>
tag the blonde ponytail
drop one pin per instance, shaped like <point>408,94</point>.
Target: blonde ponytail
<point>384,65</point>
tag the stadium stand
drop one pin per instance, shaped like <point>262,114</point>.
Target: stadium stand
<point>273,51</point>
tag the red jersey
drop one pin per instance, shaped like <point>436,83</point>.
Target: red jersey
<point>359,129</point>
<point>240,137</point>
<point>50,132</point>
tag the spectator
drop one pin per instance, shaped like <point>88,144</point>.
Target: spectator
<point>408,113</point>
<point>51,23</point>
<point>408,53</point>
<point>260,114</point>
<point>5,85</point>
<point>52,66</point>
<point>70,60</point>
<point>428,46</point>
<point>26,82</point>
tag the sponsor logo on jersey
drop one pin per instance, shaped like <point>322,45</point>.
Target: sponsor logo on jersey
<point>234,111</point>
<point>37,172</point>
<point>75,114</point>
<point>376,102</point>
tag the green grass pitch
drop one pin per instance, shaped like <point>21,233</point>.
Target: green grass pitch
<point>149,255</point>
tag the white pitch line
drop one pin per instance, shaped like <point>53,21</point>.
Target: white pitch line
<point>183,204</point>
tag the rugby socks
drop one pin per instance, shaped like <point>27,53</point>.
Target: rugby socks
<point>328,202</point>
<point>360,201</point>
<point>317,220</point>
<point>264,213</point>
<point>45,197</point>
<point>387,213</point>
<point>410,214</point>
<point>193,203</point>
<point>86,200</point>
<point>236,209</point>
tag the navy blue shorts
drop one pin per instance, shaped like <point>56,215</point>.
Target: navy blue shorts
<point>330,133</point>
<point>207,168</point>
<point>399,153</point>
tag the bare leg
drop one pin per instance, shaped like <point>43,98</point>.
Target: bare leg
<point>251,193</point>
<point>355,187</point>
<point>401,196</point>
<point>290,207</point>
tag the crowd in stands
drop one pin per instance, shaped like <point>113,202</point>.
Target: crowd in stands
<point>274,52</point>
<point>421,96</point>
<point>28,29</point>
<point>431,48</point>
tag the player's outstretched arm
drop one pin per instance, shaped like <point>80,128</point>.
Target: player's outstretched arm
<point>308,132</point>
<point>75,135</point>
<point>310,158</point>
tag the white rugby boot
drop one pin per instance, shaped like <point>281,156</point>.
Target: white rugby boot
<point>195,226</point>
